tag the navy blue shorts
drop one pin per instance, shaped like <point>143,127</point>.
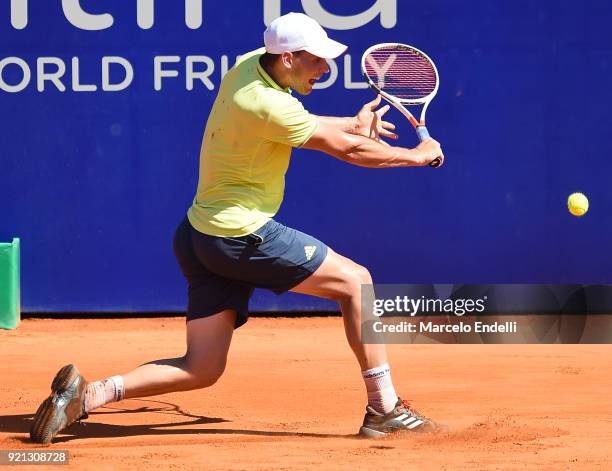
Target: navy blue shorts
<point>222,272</point>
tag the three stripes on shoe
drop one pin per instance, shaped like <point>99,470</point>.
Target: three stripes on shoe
<point>409,421</point>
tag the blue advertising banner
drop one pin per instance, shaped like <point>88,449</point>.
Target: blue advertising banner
<point>104,104</point>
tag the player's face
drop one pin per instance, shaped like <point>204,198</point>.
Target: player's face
<point>307,69</point>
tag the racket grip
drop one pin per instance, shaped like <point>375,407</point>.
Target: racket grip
<point>423,134</point>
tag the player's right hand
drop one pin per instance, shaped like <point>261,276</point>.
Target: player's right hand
<point>430,150</point>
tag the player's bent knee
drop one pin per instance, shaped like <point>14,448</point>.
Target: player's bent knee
<point>356,276</point>
<point>205,379</point>
<point>206,373</point>
<point>363,275</point>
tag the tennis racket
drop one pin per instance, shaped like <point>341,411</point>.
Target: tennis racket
<point>404,76</point>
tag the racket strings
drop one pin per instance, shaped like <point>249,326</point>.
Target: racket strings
<point>403,73</point>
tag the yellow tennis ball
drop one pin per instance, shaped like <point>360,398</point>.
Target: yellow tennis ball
<point>578,204</point>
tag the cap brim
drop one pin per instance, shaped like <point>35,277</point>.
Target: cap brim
<point>327,49</point>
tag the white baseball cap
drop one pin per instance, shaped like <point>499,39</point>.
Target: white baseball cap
<point>298,32</point>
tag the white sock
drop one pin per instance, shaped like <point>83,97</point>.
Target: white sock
<point>381,393</point>
<point>102,392</point>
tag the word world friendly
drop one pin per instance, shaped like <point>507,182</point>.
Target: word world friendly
<point>90,74</point>
<point>117,73</point>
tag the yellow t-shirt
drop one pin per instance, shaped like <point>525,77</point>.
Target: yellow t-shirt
<point>245,151</point>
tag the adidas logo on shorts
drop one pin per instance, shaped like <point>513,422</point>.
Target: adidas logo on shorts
<point>309,250</point>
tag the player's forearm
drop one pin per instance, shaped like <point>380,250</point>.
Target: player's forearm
<point>366,152</point>
<point>349,125</point>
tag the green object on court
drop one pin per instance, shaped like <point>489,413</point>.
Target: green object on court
<point>10,293</point>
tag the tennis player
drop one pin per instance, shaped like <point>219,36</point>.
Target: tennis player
<point>228,244</point>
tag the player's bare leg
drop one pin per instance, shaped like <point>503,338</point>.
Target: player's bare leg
<point>340,279</point>
<point>208,341</point>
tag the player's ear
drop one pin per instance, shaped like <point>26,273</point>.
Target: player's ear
<point>286,59</point>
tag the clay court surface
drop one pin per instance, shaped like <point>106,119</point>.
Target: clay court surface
<point>292,398</point>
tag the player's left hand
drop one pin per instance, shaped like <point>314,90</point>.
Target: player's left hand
<point>370,121</point>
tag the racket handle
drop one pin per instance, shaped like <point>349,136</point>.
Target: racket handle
<point>423,134</point>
